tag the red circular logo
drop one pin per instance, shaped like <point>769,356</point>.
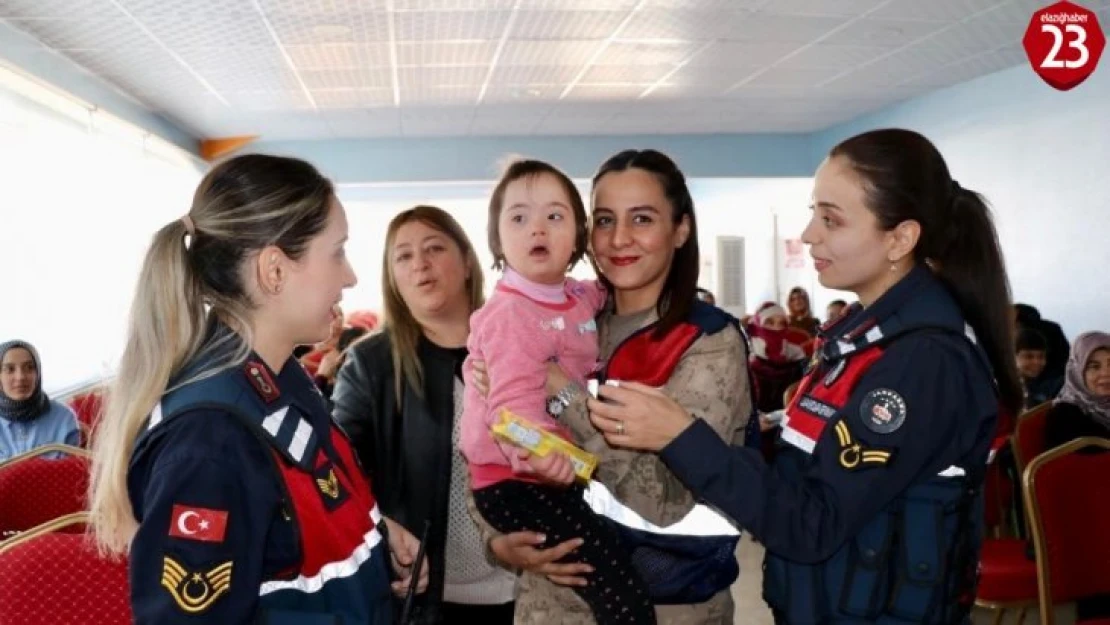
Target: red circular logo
<point>1064,42</point>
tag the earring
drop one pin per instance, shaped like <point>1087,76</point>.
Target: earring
<point>893,267</point>
<point>277,289</point>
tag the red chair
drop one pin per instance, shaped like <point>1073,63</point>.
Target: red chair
<point>88,407</point>
<point>51,577</point>
<point>35,488</point>
<point>1067,500</point>
<point>997,498</point>
<point>1029,435</point>
<point>1007,575</point>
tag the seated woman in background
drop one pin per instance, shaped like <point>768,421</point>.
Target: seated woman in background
<point>1083,406</point>
<point>776,362</point>
<point>801,313</point>
<point>1083,409</point>
<point>333,360</point>
<point>311,358</point>
<point>28,418</point>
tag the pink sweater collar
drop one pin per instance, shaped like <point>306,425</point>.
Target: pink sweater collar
<point>548,293</point>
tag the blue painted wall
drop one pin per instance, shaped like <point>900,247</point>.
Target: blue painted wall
<point>465,159</point>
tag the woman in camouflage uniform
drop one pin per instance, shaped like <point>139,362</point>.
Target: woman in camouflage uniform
<point>645,248</point>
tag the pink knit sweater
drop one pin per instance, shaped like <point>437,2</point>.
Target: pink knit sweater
<point>522,327</point>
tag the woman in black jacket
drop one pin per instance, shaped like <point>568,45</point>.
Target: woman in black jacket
<point>399,397</point>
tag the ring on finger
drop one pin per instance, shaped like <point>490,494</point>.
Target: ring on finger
<point>620,427</point>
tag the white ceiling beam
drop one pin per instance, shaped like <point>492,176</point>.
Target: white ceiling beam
<point>285,54</point>
<point>176,57</point>
<point>608,41</point>
<point>394,64</point>
<point>683,63</point>
<point>500,48</point>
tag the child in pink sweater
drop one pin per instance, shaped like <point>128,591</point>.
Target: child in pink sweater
<point>537,315</point>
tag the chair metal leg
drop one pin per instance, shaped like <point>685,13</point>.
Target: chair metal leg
<point>998,614</point>
<point>1021,616</point>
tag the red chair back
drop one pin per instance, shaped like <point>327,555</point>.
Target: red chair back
<point>1067,500</point>
<point>88,407</point>
<point>1029,435</point>
<point>36,487</point>
<point>52,578</point>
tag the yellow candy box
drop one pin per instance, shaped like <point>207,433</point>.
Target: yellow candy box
<point>521,432</point>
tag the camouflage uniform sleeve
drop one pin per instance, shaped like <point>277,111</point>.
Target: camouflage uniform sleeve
<point>711,382</point>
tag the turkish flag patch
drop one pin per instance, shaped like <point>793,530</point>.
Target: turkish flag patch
<point>201,524</point>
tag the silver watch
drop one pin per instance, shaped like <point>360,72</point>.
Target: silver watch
<point>558,403</point>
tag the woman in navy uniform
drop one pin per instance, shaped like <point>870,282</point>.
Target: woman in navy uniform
<point>872,512</point>
<point>217,465</point>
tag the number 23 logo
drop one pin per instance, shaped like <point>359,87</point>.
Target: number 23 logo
<point>1064,42</point>
<point>1058,37</point>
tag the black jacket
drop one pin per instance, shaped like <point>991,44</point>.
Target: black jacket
<point>404,446</point>
<point>1066,422</point>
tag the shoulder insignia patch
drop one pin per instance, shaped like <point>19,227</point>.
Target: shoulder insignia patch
<point>195,592</point>
<point>262,381</point>
<point>331,489</point>
<point>883,411</point>
<point>853,456</point>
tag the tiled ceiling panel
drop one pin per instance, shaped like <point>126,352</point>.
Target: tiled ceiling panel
<point>370,68</point>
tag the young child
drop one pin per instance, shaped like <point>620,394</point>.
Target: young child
<point>536,315</point>
<point>834,310</point>
<point>1031,351</point>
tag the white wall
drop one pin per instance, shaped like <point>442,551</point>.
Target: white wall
<point>78,209</point>
<point>1041,157</point>
<point>732,207</point>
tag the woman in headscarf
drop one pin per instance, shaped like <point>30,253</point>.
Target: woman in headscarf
<point>1083,409</point>
<point>1083,406</point>
<point>28,418</point>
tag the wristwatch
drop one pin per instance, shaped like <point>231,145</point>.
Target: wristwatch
<point>558,403</point>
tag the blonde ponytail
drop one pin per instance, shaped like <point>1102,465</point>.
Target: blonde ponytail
<point>166,328</point>
<point>242,206</point>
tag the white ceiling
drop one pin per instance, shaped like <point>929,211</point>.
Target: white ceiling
<point>324,69</point>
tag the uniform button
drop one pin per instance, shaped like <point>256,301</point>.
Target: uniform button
<point>869,554</point>
<point>922,567</point>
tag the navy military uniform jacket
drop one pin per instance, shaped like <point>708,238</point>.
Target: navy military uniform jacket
<point>871,512</point>
<point>252,508</point>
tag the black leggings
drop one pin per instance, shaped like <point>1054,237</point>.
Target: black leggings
<point>614,592</point>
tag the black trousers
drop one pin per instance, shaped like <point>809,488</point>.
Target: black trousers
<point>615,593</point>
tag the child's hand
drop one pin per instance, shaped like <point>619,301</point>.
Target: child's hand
<point>554,468</point>
<point>480,377</point>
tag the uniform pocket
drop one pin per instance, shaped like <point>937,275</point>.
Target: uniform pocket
<point>866,576</point>
<point>920,562</point>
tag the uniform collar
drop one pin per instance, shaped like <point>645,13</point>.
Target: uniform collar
<point>274,388</point>
<point>918,300</point>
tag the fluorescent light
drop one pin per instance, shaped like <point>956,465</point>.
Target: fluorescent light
<point>45,94</point>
